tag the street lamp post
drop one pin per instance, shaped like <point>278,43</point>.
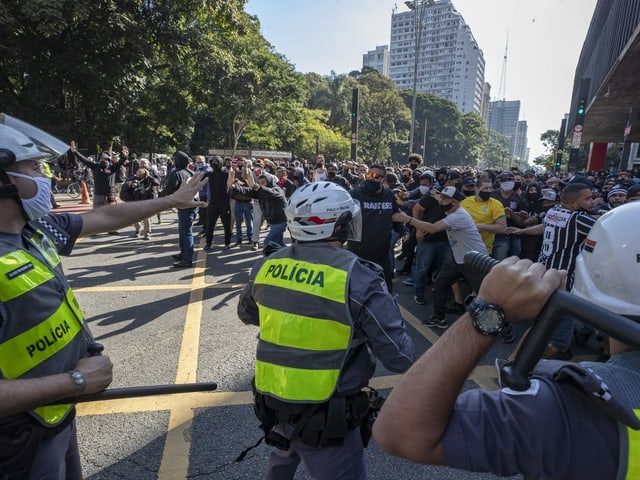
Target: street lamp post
<point>419,8</point>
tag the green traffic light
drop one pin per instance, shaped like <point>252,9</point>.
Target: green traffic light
<point>581,111</point>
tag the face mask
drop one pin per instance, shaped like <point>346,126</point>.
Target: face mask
<point>469,193</point>
<point>484,196</point>
<point>404,178</point>
<point>446,208</point>
<point>507,186</point>
<point>40,204</point>
<point>423,190</point>
<point>215,167</point>
<point>533,197</point>
<point>517,185</point>
<point>372,186</point>
<point>413,166</point>
<point>331,174</point>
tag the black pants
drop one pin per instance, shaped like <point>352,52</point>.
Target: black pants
<point>213,213</point>
<point>448,275</point>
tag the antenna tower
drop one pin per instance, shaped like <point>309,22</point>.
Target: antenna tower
<point>502,94</point>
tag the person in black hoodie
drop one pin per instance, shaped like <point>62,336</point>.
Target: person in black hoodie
<point>219,203</point>
<point>272,202</point>
<point>186,216</point>
<point>378,206</point>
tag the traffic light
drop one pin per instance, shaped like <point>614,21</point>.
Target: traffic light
<point>582,106</point>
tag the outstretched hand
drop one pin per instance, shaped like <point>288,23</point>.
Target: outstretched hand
<point>520,287</point>
<point>184,196</point>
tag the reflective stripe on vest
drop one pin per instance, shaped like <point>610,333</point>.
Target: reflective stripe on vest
<point>305,328</point>
<point>27,351</point>
<point>633,466</point>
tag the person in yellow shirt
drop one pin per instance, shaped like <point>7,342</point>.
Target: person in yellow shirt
<point>487,213</point>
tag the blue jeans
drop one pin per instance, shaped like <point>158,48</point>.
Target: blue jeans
<point>186,216</point>
<point>276,234</point>
<point>505,246</point>
<point>244,210</point>
<point>429,255</point>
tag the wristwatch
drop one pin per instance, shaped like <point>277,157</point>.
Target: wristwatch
<point>487,318</point>
<point>78,379</point>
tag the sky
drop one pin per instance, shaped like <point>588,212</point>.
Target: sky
<point>545,39</point>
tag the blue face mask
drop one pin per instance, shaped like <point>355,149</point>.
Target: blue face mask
<point>40,204</point>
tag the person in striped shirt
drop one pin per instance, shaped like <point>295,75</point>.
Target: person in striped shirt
<point>564,230</point>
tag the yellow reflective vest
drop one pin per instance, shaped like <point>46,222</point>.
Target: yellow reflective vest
<point>306,328</point>
<point>633,465</point>
<point>41,321</point>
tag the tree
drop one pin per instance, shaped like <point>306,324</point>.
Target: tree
<point>381,110</point>
<point>471,139</point>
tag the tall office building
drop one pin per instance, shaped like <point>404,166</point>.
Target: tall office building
<point>449,62</point>
<point>504,117</point>
<point>378,59</point>
<point>521,141</point>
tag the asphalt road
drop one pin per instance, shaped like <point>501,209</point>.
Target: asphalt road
<point>162,325</point>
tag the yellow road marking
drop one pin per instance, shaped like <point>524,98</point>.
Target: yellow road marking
<point>175,457</point>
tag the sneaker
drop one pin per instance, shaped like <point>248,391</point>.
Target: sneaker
<point>207,247</point>
<point>227,247</point>
<point>255,246</point>
<point>403,271</point>
<point>419,299</point>
<point>499,363</point>
<point>507,335</point>
<point>455,308</point>
<point>137,234</point>
<point>177,257</point>
<point>437,321</point>
<point>183,264</point>
<point>146,237</point>
<point>410,282</point>
<point>238,243</point>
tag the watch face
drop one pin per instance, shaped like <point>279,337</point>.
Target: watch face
<point>490,319</point>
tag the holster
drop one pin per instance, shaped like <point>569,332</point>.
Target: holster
<point>20,438</point>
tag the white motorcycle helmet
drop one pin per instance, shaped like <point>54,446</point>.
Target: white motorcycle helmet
<point>17,147</point>
<point>314,210</point>
<point>608,268</point>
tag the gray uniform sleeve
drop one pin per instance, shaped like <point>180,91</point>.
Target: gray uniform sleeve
<point>550,430</point>
<point>376,313</point>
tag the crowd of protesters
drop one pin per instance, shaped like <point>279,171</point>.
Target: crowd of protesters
<point>506,207</point>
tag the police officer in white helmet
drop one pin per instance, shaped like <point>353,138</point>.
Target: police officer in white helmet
<point>323,314</point>
<point>576,421</point>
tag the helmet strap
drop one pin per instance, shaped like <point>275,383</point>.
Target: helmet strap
<point>9,190</point>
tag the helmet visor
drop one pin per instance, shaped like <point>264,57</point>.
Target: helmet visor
<point>354,228</point>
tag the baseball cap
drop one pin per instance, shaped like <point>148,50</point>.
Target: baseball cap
<point>469,182</point>
<point>506,175</point>
<point>452,175</point>
<point>426,176</point>
<point>579,179</point>
<point>548,194</point>
<point>452,192</point>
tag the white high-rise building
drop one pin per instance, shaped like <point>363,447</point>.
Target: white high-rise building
<point>449,63</point>
<point>378,59</point>
<point>504,116</point>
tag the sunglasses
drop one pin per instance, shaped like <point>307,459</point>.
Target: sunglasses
<point>374,176</point>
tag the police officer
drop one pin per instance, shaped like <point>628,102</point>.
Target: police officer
<point>43,349</point>
<point>576,421</point>
<point>323,314</point>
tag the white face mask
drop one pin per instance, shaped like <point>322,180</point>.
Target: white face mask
<point>507,186</point>
<point>40,204</point>
<point>423,190</point>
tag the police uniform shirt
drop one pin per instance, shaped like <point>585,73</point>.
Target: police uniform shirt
<point>554,430</point>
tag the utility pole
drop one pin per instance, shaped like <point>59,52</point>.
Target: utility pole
<point>419,8</point>
<point>354,125</point>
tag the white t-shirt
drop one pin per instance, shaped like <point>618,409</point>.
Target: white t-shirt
<point>463,235</point>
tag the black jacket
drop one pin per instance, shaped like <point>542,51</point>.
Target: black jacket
<point>271,198</point>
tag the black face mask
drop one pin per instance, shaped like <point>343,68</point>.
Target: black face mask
<point>104,164</point>
<point>469,193</point>
<point>484,196</point>
<point>405,178</point>
<point>372,186</point>
<point>533,197</point>
<point>517,185</point>
<point>446,208</point>
<point>331,174</point>
<point>413,166</point>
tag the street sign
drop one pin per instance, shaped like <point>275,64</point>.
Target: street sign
<point>578,128</point>
<point>577,137</point>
